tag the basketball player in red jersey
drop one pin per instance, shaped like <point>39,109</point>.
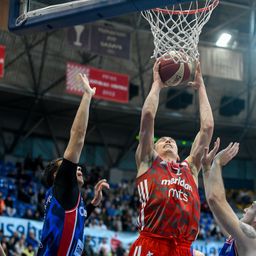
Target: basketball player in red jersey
<point>170,205</point>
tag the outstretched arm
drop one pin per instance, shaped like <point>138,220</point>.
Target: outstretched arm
<point>78,129</point>
<point>215,191</point>
<point>204,136</point>
<point>145,149</point>
<point>66,188</point>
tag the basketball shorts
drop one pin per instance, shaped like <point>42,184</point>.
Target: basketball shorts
<point>151,245</point>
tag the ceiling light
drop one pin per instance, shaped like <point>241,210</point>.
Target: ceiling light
<point>223,40</point>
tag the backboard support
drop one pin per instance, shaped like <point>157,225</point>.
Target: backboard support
<point>73,13</point>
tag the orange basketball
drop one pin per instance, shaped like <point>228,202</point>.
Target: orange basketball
<point>173,74</point>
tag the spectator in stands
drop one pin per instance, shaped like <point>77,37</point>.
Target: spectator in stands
<point>104,248</point>
<point>65,208</point>
<point>41,195</point>
<point>39,163</point>
<point>28,214</point>
<point>28,162</point>
<point>5,244</point>
<point>241,231</point>
<point>10,210</point>
<point>40,208</point>
<point>28,251</point>
<point>205,207</point>
<point>22,195</point>
<point>32,240</point>
<point>2,204</point>
<point>11,246</point>
<point>88,251</point>
<point>118,225</point>
<point>120,251</point>
<point>213,252</point>
<point>102,225</point>
<point>20,245</point>
<point>16,236</point>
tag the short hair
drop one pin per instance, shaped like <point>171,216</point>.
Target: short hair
<point>48,174</point>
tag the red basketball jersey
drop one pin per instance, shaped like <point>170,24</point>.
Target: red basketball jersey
<point>170,204</point>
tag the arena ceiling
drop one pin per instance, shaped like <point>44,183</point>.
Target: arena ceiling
<point>33,102</point>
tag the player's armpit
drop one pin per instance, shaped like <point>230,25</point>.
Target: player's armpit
<point>248,230</point>
<point>146,163</point>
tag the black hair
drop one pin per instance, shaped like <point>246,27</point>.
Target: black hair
<point>48,174</point>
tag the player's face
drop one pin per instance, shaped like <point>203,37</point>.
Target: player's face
<point>166,145</point>
<point>79,176</point>
<point>249,216</point>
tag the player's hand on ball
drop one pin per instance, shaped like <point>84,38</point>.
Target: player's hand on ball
<point>86,85</point>
<point>98,191</point>
<point>198,81</point>
<point>156,76</point>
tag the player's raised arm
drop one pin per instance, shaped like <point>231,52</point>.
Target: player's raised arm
<point>204,136</point>
<point>145,149</point>
<point>78,129</point>
<point>215,191</point>
<point>68,176</point>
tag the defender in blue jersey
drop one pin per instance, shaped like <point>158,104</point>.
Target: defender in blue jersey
<point>65,212</point>
<point>241,233</point>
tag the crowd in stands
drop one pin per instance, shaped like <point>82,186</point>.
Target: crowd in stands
<point>22,195</point>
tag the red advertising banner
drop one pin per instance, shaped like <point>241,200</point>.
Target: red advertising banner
<point>2,57</point>
<point>109,85</point>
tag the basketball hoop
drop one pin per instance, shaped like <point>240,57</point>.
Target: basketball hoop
<point>176,30</point>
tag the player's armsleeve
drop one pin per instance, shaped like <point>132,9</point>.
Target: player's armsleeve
<point>89,208</point>
<point>65,187</point>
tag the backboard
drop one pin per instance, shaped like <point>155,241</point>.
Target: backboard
<point>41,15</point>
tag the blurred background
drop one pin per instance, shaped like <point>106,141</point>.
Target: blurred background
<point>38,102</point>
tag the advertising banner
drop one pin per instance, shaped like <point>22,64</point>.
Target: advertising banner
<point>2,58</point>
<point>109,85</point>
<point>10,225</point>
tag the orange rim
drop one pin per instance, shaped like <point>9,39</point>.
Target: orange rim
<point>173,12</point>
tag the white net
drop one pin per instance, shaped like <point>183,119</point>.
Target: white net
<point>176,30</point>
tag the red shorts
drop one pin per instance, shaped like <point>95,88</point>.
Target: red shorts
<point>152,245</point>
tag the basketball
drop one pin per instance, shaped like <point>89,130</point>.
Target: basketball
<point>173,74</point>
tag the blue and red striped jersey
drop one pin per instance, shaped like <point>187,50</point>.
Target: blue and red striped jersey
<point>229,248</point>
<point>62,232</point>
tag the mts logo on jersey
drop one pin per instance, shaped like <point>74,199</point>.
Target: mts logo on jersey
<point>174,191</point>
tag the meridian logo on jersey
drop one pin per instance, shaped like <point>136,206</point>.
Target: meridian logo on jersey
<point>177,193</point>
<point>179,181</point>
